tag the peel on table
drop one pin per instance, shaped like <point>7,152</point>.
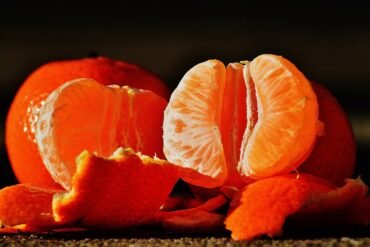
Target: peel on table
<point>122,191</point>
<point>26,204</point>
<point>126,190</point>
<point>265,205</point>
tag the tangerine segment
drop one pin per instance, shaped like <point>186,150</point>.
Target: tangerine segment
<point>26,204</point>
<point>285,132</point>
<point>84,115</point>
<point>191,126</point>
<point>125,190</point>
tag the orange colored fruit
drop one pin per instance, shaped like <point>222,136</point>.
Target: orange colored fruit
<point>250,120</point>
<point>26,204</point>
<point>265,204</point>
<point>23,114</point>
<point>334,154</point>
<point>85,115</point>
<point>125,190</point>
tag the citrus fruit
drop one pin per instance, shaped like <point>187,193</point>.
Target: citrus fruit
<point>85,115</point>
<point>23,113</point>
<point>334,154</point>
<point>250,120</point>
<point>127,189</point>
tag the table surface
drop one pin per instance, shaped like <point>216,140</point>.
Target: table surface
<point>359,236</point>
<point>37,240</point>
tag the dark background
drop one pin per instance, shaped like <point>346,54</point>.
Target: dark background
<point>329,42</point>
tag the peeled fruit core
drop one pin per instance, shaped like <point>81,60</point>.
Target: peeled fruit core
<point>84,115</point>
<point>249,120</point>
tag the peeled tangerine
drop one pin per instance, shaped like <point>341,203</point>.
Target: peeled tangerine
<point>247,120</point>
<point>125,190</point>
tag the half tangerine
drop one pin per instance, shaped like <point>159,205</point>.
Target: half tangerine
<point>85,115</point>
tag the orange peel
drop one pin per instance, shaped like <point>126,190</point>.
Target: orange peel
<point>125,190</point>
<point>265,205</point>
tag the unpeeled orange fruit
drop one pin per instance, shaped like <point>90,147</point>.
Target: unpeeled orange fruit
<point>260,117</point>
<point>334,155</point>
<point>24,111</point>
<point>85,115</point>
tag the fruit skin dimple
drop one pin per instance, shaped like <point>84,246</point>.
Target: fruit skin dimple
<point>23,113</point>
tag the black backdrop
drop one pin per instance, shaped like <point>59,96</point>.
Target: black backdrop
<point>330,43</point>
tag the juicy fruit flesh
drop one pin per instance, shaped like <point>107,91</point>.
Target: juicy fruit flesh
<point>85,115</point>
<point>285,132</point>
<point>268,112</point>
<point>196,142</point>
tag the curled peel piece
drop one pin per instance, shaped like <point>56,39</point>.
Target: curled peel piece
<point>265,204</point>
<point>26,204</point>
<point>122,191</point>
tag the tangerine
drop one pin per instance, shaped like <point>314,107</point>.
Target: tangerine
<point>24,111</point>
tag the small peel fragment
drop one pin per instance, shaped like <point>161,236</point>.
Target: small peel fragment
<point>200,219</point>
<point>123,191</point>
<point>261,208</point>
<point>26,204</point>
